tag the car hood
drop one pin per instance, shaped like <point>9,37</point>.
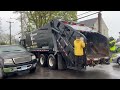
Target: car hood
<point>14,55</point>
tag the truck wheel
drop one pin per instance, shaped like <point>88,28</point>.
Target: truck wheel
<point>52,62</point>
<point>118,61</point>
<point>43,60</point>
<point>61,62</point>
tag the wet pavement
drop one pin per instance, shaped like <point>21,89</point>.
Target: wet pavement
<point>111,71</point>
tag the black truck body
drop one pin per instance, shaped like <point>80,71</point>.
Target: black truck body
<point>54,43</point>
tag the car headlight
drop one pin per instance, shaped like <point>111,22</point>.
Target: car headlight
<point>8,61</point>
<point>33,57</point>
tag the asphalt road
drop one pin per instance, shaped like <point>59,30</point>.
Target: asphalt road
<point>111,71</point>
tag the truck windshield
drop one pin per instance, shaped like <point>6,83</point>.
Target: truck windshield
<point>5,49</point>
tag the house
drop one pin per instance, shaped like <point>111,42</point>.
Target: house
<point>93,23</point>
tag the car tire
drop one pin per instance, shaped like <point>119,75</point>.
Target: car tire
<point>2,75</point>
<point>43,60</point>
<point>32,70</point>
<point>52,62</point>
<point>118,61</point>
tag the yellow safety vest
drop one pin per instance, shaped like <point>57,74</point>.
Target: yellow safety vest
<point>113,48</point>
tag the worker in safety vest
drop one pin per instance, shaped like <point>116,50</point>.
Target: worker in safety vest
<point>112,45</point>
<point>79,46</point>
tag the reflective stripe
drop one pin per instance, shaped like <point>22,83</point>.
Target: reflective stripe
<point>112,41</point>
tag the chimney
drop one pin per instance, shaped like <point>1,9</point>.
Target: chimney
<point>99,23</point>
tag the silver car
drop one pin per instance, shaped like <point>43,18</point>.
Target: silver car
<point>15,59</point>
<point>116,58</point>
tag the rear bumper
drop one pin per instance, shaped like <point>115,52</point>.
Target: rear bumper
<point>20,67</point>
<point>95,61</point>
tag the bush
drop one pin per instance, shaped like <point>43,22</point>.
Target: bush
<point>2,43</point>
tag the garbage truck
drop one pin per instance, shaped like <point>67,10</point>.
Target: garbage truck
<point>53,45</point>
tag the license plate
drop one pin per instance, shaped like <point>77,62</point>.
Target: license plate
<point>23,67</point>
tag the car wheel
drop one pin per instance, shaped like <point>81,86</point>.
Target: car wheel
<point>52,62</point>
<point>43,60</point>
<point>2,75</point>
<point>33,70</point>
<point>118,61</point>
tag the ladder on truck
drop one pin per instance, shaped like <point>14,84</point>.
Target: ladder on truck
<point>65,42</point>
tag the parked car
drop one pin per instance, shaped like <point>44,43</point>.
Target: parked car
<point>116,58</point>
<point>118,47</point>
<point>15,59</point>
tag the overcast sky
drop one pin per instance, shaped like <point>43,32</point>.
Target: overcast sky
<point>111,18</point>
<point>5,16</point>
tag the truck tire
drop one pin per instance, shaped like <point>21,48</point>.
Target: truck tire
<point>52,62</point>
<point>43,60</point>
<point>61,62</point>
<point>118,61</point>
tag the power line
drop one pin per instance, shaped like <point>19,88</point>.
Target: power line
<point>83,13</point>
<point>87,15</point>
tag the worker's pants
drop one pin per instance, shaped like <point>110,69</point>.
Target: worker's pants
<point>79,61</point>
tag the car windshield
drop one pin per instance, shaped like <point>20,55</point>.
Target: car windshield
<point>4,49</point>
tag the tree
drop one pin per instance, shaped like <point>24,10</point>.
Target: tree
<point>5,39</point>
<point>35,19</point>
<point>2,43</point>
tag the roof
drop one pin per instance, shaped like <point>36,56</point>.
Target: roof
<point>89,22</point>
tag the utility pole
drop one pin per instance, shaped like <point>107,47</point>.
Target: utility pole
<point>10,29</point>
<point>99,22</point>
<point>21,19</point>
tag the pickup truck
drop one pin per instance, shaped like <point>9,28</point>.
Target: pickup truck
<point>15,59</point>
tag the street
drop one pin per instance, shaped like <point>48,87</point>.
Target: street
<point>98,72</point>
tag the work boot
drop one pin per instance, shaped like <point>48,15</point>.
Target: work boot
<point>107,62</point>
